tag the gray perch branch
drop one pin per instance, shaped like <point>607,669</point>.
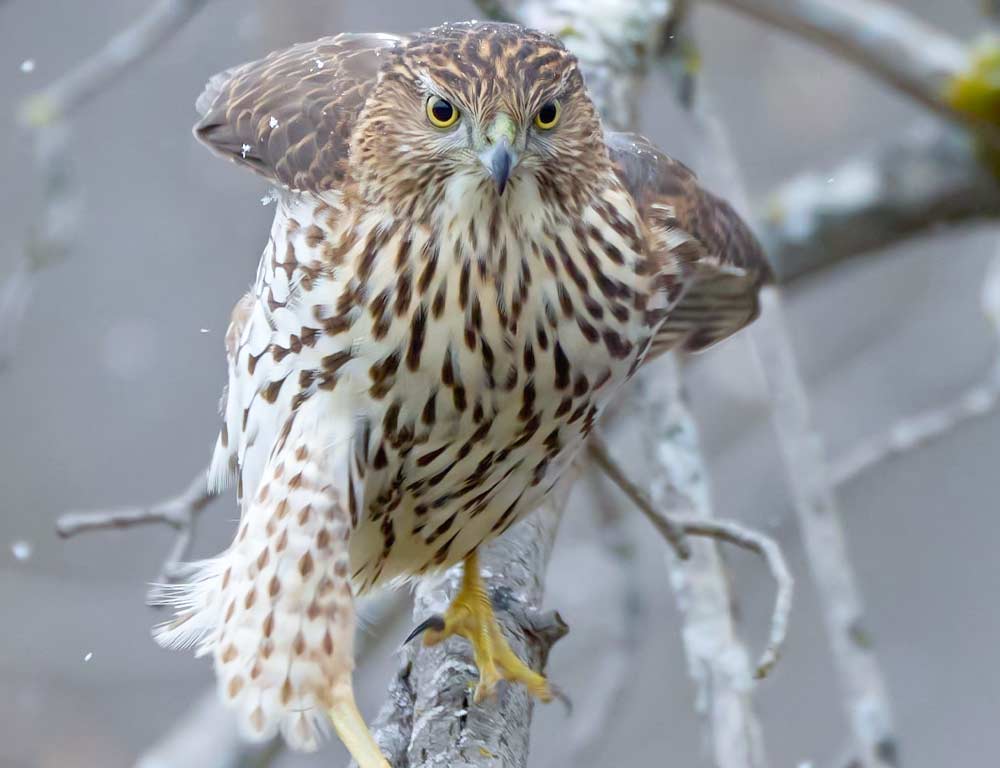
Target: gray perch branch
<point>429,719</point>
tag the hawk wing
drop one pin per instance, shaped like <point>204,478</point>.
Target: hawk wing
<point>722,266</point>
<point>290,115</point>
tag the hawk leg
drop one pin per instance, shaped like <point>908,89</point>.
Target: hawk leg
<point>471,616</point>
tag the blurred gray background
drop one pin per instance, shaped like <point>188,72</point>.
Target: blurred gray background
<point>112,400</point>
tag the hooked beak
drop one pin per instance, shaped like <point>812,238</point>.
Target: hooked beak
<point>499,158</point>
<point>499,161</point>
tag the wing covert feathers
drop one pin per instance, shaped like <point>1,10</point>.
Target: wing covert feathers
<point>289,116</point>
<point>722,264</point>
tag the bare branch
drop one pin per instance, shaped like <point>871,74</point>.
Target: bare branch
<point>671,530</point>
<point>675,527</point>
<point>862,683</point>
<point>918,430</point>
<point>718,662</point>
<point>930,176</point>
<point>179,512</point>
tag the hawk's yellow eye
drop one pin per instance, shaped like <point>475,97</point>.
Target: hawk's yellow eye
<point>441,113</point>
<point>547,117</point>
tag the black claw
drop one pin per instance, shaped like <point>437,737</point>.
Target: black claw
<point>434,622</point>
<point>560,695</point>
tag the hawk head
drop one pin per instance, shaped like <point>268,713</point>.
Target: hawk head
<point>479,111</point>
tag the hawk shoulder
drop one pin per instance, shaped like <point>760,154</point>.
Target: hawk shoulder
<point>289,116</point>
<point>721,264</point>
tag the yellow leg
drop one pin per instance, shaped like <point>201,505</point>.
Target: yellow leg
<point>471,616</point>
<point>351,729</point>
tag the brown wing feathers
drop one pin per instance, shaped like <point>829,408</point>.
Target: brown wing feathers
<point>725,266</point>
<point>289,116</point>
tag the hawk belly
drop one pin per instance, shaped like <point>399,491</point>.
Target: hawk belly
<point>467,360</point>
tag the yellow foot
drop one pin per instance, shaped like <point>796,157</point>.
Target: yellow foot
<point>471,616</point>
<point>351,729</point>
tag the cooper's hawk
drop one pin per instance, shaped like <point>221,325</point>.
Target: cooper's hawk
<point>464,268</point>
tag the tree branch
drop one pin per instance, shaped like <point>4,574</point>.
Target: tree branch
<point>717,660</point>
<point>180,512</point>
<point>929,176</point>
<point>428,719</point>
<point>675,529</point>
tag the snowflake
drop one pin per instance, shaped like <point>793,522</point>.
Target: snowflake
<point>246,147</point>
<point>28,65</point>
<point>273,123</point>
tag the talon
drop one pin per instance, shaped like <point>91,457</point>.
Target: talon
<point>471,616</point>
<point>435,623</point>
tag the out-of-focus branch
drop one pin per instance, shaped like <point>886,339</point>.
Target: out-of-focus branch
<point>913,432</point>
<point>46,115</point>
<point>885,41</point>
<point>161,21</point>
<point>864,692</point>
<point>930,176</point>
<point>675,529</point>
<point>920,429</point>
<point>180,512</point>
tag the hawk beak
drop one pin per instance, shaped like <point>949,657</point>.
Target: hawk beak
<point>499,160</point>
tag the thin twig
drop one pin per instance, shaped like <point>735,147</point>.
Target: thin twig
<point>675,528</point>
<point>180,512</point>
<point>671,530</point>
<point>918,430</point>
